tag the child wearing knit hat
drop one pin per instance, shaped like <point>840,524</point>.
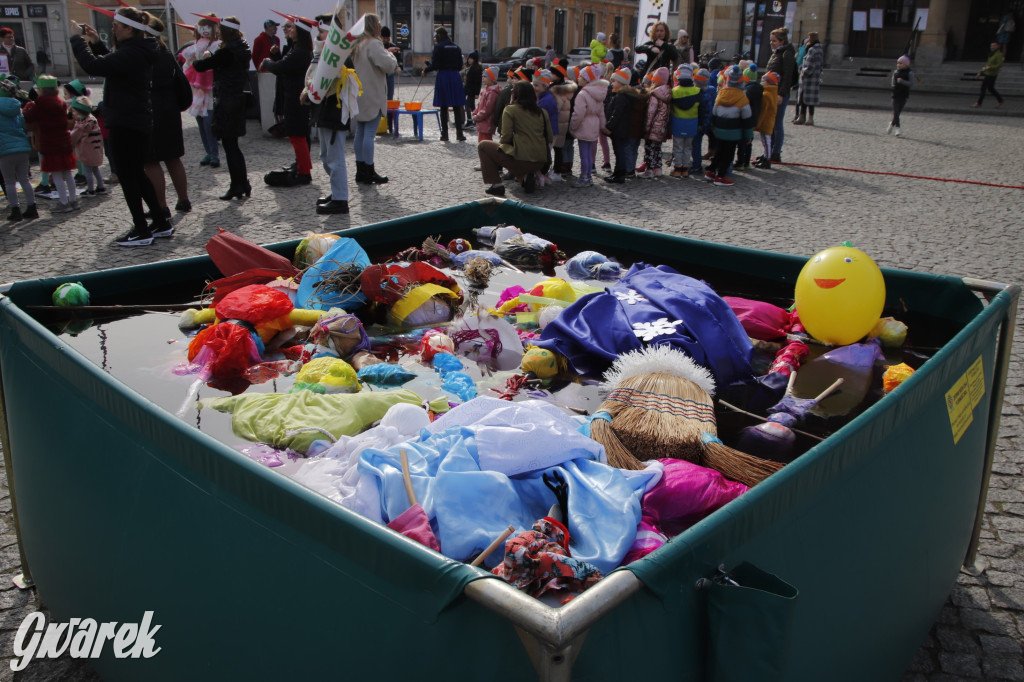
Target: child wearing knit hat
<point>563,91</point>
<point>588,119</point>
<point>766,118</point>
<point>732,121</point>
<point>685,109</point>
<point>658,116</point>
<point>619,122</point>
<point>702,79</point>
<point>542,82</point>
<point>483,114</point>
<point>598,49</point>
<point>753,91</point>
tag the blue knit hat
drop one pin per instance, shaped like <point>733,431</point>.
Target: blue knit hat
<point>733,75</point>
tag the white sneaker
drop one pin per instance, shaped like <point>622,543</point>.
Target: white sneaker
<point>555,177</point>
<point>646,175</point>
<point>897,131</point>
<point>476,167</point>
<point>582,182</point>
<point>888,131</point>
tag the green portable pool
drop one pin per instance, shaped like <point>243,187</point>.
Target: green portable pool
<point>838,564</point>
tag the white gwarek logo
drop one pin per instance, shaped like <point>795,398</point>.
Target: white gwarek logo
<point>82,638</point>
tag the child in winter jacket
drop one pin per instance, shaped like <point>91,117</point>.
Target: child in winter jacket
<point>766,117</point>
<point>14,151</point>
<point>619,117</point>
<point>658,116</point>
<point>702,79</point>
<point>753,90</point>
<point>88,141</point>
<point>588,119</point>
<point>542,82</point>
<point>483,115</point>
<point>49,114</point>
<point>472,82</point>
<point>685,109</point>
<point>598,49</point>
<point>732,122</point>
<point>563,91</point>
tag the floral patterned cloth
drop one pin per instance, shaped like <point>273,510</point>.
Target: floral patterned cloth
<point>538,561</point>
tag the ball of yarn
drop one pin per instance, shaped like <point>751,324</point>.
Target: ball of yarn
<point>71,294</point>
<point>459,245</point>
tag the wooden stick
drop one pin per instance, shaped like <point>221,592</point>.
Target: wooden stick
<point>493,546</point>
<point>829,391</point>
<point>406,477</point>
<point>791,382</point>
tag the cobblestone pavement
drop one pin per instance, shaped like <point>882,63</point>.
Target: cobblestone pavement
<point>917,224</point>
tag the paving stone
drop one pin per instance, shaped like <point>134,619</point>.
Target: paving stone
<point>971,597</point>
<point>993,645</point>
<point>1011,598</point>
<point>960,664</point>
<point>956,639</point>
<point>995,622</point>
<point>1003,668</point>
<point>1003,579</point>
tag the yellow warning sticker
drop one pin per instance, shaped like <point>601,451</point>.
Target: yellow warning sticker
<point>963,397</point>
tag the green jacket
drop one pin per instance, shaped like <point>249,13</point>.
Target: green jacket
<point>525,136</point>
<point>994,63</point>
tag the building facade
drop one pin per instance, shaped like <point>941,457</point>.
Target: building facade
<point>946,30</point>
<point>489,25</point>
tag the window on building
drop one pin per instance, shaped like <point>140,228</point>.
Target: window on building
<point>525,26</point>
<point>488,29</point>
<point>560,23</point>
<point>899,12</point>
<point>444,16</point>
<point>673,6</point>
<point>588,28</point>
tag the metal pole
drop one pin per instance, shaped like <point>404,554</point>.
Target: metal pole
<point>972,565</point>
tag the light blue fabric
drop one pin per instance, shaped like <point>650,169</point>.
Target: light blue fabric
<point>342,252</point>
<point>13,138</point>
<point>469,506</point>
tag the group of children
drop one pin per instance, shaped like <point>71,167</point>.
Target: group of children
<point>63,130</point>
<point>597,104</point>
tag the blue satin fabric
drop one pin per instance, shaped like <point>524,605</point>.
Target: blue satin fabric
<point>596,329</point>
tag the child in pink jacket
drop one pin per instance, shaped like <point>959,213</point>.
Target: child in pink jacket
<point>588,119</point>
<point>483,115</point>
<point>658,113</point>
<point>88,141</point>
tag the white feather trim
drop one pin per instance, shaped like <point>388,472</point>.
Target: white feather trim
<point>665,359</point>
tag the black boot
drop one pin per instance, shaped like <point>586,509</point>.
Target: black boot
<point>444,124</point>
<point>459,120</point>
<point>372,177</point>
<point>15,214</point>
<point>333,206</point>
<point>30,213</point>
<point>362,175</point>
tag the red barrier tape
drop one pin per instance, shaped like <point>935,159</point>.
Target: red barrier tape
<point>900,175</point>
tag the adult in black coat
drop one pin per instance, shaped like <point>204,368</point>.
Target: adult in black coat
<point>171,95</point>
<point>291,79</point>
<point>230,64</point>
<point>127,112</point>
<point>782,62</point>
<point>659,50</point>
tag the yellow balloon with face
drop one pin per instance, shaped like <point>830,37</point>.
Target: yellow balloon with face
<point>839,295</point>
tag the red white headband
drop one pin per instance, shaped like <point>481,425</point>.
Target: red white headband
<point>223,22</point>
<point>122,19</point>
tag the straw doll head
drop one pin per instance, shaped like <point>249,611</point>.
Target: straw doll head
<point>660,405</point>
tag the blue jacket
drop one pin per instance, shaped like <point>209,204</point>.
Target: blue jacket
<point>13,138</point>
<point>707,105</point>
<point>548,104</point>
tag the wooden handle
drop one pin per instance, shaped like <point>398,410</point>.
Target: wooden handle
<point>406,477</point>
<point>493,546</point>
<point>791,382</point>
<point>829,391</point>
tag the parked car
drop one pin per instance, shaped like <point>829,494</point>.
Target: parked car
<point>579,56</point>
<point>512,58</point>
